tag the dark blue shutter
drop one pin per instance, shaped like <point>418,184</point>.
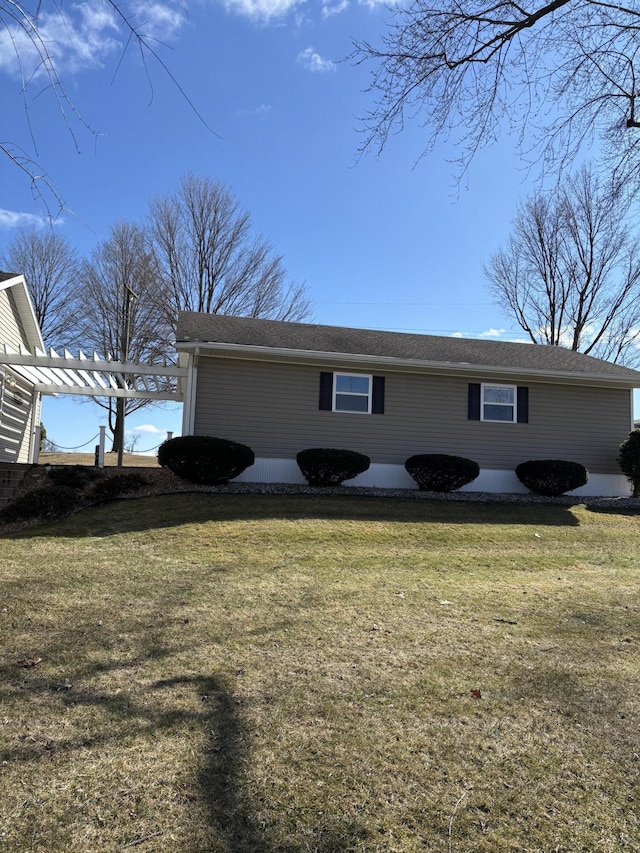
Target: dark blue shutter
<point>377,396</point>
<point>326,391</point>
<point>474,401</point>
<point>522,413</point>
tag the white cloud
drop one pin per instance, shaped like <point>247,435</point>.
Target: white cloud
<point>15,219</point>
<point>313,62</point>
<point>329,9</point>
<point>149,428</point>
<point>457,335</point>
<point>262,10</point>
<point>261,112</point>
<point>81,36</point>
<point>492,333</point>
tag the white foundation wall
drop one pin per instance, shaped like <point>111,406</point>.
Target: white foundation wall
<point>395,477</point>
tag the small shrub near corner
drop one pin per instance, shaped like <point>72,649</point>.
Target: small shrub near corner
<point>551,477</point>
<point>441,472</point>
<point>74,476</point>
<point>119,484</point>
<point>204,459</point>
<point>629,460</point>
<point>330,466</point>
<point>46,503</point>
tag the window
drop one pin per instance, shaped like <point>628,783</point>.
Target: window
<point>357,393</point>
<point>352,393</point>
<point>499,403</point>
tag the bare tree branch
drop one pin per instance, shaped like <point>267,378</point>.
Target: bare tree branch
<point>563,71</point>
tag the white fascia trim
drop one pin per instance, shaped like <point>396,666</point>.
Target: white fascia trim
<point>406,365</point>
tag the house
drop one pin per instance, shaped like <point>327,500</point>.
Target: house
<point>19,399</point>
<point>282,387</point>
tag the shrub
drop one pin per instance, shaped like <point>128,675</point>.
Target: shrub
<point>74,476</point>
<point>551,477</point>
<point>328,466</point>
<point>629,460</point>
<point>439,472</point>
<point>47,502</point>
<point>119,484</point>
<point>204,459</point>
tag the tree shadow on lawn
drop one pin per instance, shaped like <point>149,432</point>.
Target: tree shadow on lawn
<point>237,825</point>
<point>174,510</point>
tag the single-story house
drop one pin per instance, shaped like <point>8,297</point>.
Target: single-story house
<point>19,399</point>
<point>282,387</point>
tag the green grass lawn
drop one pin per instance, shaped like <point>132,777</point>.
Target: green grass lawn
<point>276,673</point>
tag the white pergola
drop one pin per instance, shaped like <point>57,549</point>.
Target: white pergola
<point>53,373</point>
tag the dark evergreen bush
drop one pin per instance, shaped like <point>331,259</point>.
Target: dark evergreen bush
<point>74,476</point>
<point>119,484</point>
<point>551,477</point>
<point>47,502</point>
<point>204,459</point>
<point>329,466</point>
<point>440,472</point>
<point>629,460</point>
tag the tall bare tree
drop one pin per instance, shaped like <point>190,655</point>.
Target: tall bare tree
<point>50,267</point>
<point>570,271</point>
<point>565,70</point>
<point>121,316</point>
<point>212,260</point>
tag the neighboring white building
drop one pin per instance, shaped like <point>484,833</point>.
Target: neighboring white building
<point>19,399</point>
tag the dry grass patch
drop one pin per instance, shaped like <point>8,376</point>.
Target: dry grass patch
<point>129,460</point>
<point>263,673</point>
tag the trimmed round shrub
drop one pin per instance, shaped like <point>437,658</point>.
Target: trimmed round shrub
<point>440,472</point>
<point>629,460</point>
<point>204,459</point>
<point>551,477</point>
<point>330,466</point>
<point>47,502</point>
<point>119,484</point>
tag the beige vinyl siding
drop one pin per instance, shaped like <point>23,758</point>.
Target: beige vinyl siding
<point>16,401</point>
<point>17,415</point>
<point>273,408</point>
<point>11,331</point>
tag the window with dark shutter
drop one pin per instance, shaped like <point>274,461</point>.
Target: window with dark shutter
<point>355,393</point>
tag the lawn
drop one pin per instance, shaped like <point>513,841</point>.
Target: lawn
<point>275,673</point>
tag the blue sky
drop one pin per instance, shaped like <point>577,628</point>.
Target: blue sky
<point>389,242</point>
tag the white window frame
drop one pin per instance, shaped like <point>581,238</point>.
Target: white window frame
<point>513,406</point>
<point>336,393</point>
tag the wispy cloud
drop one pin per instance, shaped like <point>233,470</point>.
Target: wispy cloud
<point>330,9</point>
<point>261,112</point>
<point>16,219</point>
<point>149,428</point>
<point>81,36</point>
<point>492,333</point>
<point>262,10</point>
<point>313,62</point>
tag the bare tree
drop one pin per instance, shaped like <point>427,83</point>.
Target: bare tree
<point>565,70</point>
<point>121,314</point>
<point>211,260</point>
<point>570,272</point>
<point>50,267</point>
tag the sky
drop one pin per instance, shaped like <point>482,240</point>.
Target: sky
<point>259,94</point>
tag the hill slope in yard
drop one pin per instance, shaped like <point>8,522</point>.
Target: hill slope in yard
<point>229,673</point>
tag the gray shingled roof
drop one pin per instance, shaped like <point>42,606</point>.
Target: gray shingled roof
<point>218,328</point>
